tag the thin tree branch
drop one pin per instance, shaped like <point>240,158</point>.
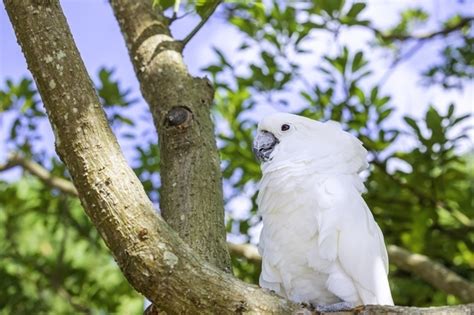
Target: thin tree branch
<point>201,23</point>
<point>175,16</point>
<point>443,32</point>
<point>9,164</point>
<point>247,251</point>
<point>420,41</point>
<point>61,184</point>
<point>399,59</point>
<point>42,173</point>
<point>432,272</point>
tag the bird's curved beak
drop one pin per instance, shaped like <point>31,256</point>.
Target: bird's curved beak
<point>263,145</point>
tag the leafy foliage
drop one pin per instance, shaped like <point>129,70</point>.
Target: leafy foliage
<point>22,98</point>
<point>53,261</point>
<point>201,7</point>
<point>457,65</point>
<point>419,186</point>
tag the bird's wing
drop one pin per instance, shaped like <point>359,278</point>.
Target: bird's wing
<point>349,234</point>
<point>337,152</point>
<point>270,277</point>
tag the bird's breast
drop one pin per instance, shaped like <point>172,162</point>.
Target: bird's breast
<point>288,205</point>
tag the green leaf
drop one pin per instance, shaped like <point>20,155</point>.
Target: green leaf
<point>379,102</point>
<point>123,119</point>
<point>450,111</point>
<point>331,6</point>
<point>245,25</point>
<point>374,94</point>
<point>384,115</point>
<point>110,92</point>
<point>360,94</point>
<point>358,62</point>
<point>356,9</point>
<point>453,21</point>
<point>412,123</point>
<point>163,4</point>
<point>434,122</point>
<point>204,7</point>
<point>5,101</point>
<point>212,69</point>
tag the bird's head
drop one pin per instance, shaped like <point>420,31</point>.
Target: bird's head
<point>282,135</point>
<point>283,139</point>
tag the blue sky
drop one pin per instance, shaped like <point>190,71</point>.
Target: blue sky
<point>100,43</point>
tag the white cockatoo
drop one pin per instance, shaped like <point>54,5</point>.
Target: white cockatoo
<point>320,243</point>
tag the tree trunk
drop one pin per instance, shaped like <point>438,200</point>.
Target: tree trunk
<point>191,199</point>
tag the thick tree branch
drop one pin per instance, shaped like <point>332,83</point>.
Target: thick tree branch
<point>467,309</point>
<point>191,199</point>
<point>432,272</point>
<point>150,254</point>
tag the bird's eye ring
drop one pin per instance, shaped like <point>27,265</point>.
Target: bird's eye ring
<point>285,127</point>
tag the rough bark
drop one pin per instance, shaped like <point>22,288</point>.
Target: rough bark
<point>191,199</point>
<point>467,309</point>
<point>150,254</point>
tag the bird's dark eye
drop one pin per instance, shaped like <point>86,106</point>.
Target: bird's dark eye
<point>285,127</point>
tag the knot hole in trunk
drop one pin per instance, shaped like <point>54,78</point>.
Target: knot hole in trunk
<point>180,117</point>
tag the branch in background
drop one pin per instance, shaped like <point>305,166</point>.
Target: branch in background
<point>247,251</point>
<point>42,173</point>
<point>201,23</point>
<point>432,272</point>
<point>420,41</point>
<point>10,163</point>
<point>398,60</point>
<point>443,32</point>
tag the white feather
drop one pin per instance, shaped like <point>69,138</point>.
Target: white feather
<point>319,242</point>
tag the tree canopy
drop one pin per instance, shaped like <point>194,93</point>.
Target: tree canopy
<point>419,186</point>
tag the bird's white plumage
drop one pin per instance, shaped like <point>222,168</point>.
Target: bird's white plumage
<point>319,242</point>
